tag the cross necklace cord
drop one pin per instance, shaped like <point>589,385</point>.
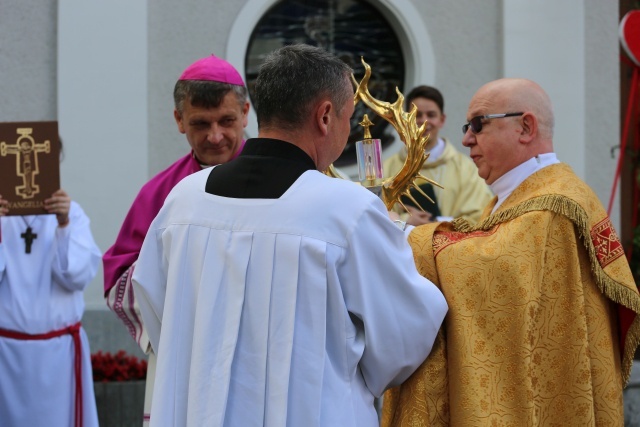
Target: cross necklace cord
<point>29,236</point>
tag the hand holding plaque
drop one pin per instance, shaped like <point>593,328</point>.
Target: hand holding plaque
<point>4,206</point>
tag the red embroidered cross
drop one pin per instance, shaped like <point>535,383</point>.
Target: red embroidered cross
<point>606,241</point>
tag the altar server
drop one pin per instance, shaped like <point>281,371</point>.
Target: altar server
<point>46,262</point>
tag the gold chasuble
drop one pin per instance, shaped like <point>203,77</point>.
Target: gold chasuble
<point>542,324</point>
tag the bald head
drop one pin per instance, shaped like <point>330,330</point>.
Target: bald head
<point>522,95</point>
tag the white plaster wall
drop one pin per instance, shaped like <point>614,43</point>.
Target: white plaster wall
<point>570,48</point>
<point>545,41</point>
<point>27,60</point>
<point>602,99</point>
<point>467,44</point>
<point>102,113</point>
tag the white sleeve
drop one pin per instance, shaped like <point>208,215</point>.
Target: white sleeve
<point>121,299</point>
<point>77,257</point>
<point>401,311</point>
<point>150,283</point>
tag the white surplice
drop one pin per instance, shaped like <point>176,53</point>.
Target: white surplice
<point>41,292</point>
<point>294,311</point>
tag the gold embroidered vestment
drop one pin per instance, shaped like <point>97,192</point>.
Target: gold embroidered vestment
<point>542,324</point>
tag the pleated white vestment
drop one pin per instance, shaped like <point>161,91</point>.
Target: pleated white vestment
<point>294,311</point>
<point>41,292</point>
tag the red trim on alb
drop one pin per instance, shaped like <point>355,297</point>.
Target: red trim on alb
<point>74,331</point>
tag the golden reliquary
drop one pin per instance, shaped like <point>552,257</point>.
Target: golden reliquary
<point>369,151</point>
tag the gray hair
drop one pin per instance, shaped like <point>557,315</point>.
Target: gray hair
<point>292,78</point>
<point>205,93</point>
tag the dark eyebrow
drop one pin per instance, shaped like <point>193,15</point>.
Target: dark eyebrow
<point>197,121</point>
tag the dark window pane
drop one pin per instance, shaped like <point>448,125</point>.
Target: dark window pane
<point>350,29</point>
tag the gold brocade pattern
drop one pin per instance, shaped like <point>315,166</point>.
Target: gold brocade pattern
<point>532,333</point>
<point>446,238</point>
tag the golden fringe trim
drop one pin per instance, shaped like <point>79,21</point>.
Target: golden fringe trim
<point>612,289</point>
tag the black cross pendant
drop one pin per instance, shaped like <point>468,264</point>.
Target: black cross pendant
<point>28,237</point>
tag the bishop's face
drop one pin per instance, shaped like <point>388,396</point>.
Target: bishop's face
<point>214,134</point>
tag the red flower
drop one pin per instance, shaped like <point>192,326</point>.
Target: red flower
<point>118,367</point>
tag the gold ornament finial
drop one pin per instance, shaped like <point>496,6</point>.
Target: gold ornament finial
<point>366,124</point>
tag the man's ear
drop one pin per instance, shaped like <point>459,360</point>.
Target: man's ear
<point>529,130</point>
<point>323,116</point>
<point>178,119</point>
<point>245,114</point>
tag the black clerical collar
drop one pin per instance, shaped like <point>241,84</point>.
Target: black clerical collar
<point>265,169</point>
<point>276,148</point>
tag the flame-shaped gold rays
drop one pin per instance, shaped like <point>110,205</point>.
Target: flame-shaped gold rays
<point>412,136</point>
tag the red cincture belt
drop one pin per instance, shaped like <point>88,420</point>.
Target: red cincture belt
<point>74,331</point>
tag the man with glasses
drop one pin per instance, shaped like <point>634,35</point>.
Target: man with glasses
<point>543,322</point>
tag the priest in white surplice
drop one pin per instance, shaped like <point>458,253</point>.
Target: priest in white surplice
<point>273,294</point>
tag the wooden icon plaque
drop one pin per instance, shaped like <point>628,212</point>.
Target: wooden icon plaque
<point>29,165</point>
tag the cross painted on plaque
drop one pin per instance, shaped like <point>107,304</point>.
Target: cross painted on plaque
<point>29,236</point>
<point>26,151</point>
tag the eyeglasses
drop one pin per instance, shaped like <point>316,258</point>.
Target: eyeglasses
<point>476,123</point>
